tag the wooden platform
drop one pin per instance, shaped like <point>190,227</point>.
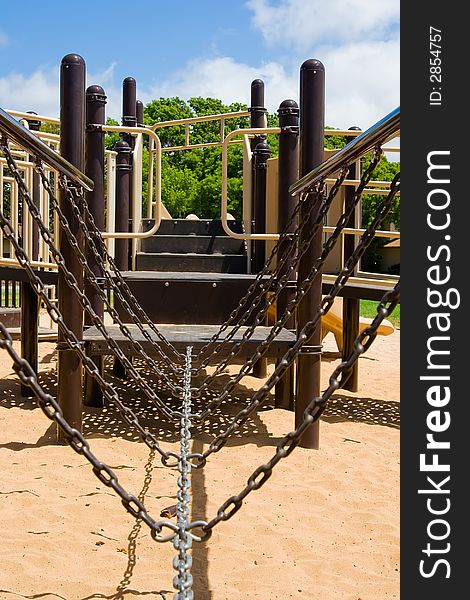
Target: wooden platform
<point>182,336</point>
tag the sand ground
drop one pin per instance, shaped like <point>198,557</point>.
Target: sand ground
<point>324,527</point>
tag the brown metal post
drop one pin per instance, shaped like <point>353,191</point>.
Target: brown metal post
<point>312,124</point>
<point>121,252</point>
<point>123,177</point>
<point>72,148</point>
<point>94,169</point>
<point>261,154</point>
<point>139,111</point>
<point>129,119</point>
<point>257,119</point>
<point>29,298</point>
<point>351,306</point>
<point>288,167</point>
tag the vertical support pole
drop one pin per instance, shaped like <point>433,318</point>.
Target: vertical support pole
<point>257,119</point>
<point>34,125</point>
<point>288,162</point>
<point>261,154</point>
<point>123,178</point>
<point>94,169</point>
<point>129,107</point>
<point>121,253</point>
<point>257,110</point>
<point>139,111</point>
<point>351,306</point>
<point>29,298</point>
<point>312,124</point>
<point>129,119</point>
<point>72,148</point>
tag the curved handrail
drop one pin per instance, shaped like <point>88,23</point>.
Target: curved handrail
<point>32,144</point>
<point>378,133</point>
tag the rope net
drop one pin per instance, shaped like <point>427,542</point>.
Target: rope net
<point>177,370</point>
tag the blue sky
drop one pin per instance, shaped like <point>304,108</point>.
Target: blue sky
<point>205,48</point>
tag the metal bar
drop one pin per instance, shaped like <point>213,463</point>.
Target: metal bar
<point>72,148</point>
<point>261,154</point>
<point>158,189</point>
<point>196,146</point>
<point>31,143</point>
<point>123,176</point>
<point>288,173</point>
<point>191,120</point>
<point>29,329</point>
<point>94,168</point>
<point>224,202</point>
<point>351,306</point>
<point>379,132</point>
<point>312,115</point>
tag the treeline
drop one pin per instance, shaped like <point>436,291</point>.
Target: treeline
<point>192,179</point>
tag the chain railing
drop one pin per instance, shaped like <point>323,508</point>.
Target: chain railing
<point>311,188</point>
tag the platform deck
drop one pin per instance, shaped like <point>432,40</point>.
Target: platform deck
<point>181,336</point>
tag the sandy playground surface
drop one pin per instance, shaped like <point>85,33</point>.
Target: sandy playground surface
<point>324,527</point>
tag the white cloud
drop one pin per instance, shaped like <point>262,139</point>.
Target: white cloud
<point>3,39</point>
<point>362,83</point>
<point>39,91</point>
<point>228,80</point>
<point>303,24</point>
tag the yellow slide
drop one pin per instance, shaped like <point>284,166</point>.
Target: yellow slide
<point>333,321</point>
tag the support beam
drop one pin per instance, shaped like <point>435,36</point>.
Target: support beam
<point>72,148</point>
<point>312,123</point>
<point>288,174</point>
<point>29,298</point>
<point>351,306</point>
<point>94,169</point>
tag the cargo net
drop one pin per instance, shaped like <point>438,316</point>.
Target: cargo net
<point>177,370</point>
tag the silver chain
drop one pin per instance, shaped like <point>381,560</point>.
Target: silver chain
<point>183,538</point>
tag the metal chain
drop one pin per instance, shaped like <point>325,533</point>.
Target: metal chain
<point>260,396</point>
<point>71,339</point>
<point>91,276</point>
<point>183,539</point>
<point>112,311</point>
<point>79,444</point>
<point>120,287</point>
<point>82,298</point>
<point>285,267</point>
<point>292,304</point>
<point>291,237</point>
<point>312,413</point>
<point>288,260</point>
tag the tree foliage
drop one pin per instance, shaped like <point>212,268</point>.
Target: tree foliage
<point>191,179</point>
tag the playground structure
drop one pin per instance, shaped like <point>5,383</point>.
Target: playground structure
<point>85,268</point>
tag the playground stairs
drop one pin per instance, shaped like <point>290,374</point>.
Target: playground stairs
<point>190,272</point>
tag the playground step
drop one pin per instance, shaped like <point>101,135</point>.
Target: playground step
<point>194,244</point>
<point>202,263</point>
<point>212,227</point>
<point>188,335</point>
<point>192,298</point>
